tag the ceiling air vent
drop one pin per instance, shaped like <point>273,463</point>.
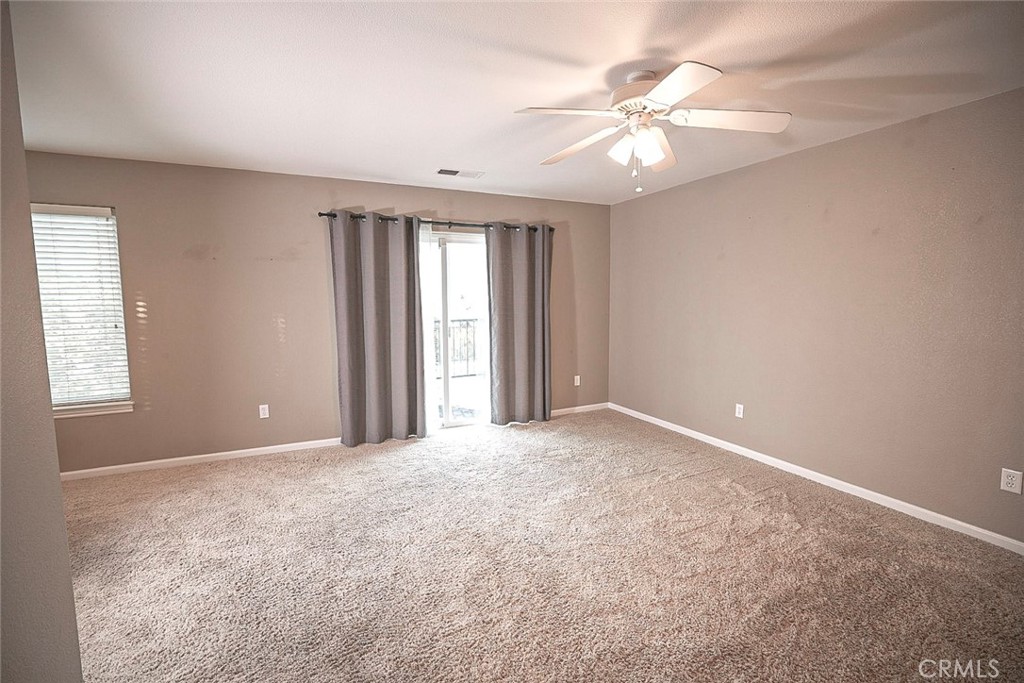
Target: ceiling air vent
<point>461,174</point>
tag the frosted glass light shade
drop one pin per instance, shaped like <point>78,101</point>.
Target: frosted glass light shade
<point>622,150</point>
<point>646,148</point>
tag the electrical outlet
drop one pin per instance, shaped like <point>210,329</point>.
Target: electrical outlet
<point>1010,481</point>
<point>576,381</point>
<point>264,411</point>
<point>739,410</point>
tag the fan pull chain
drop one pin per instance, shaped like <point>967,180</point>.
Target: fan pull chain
<point>636,173</point>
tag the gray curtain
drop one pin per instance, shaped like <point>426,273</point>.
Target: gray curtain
<point>519,277</point>
<point>380,334</point>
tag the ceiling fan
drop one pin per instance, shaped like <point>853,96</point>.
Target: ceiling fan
<point>644,100</point>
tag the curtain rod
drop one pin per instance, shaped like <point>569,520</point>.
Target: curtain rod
<point>450,224</point>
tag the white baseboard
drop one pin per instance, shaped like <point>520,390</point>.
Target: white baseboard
<point>838,484</point>
<point>579,409</point>
<point>195,459</point>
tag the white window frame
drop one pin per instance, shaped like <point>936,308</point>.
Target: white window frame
<point>113,406</point>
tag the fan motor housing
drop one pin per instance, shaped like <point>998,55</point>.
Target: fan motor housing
<point>629,98</point>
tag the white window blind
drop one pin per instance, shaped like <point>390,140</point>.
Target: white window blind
<point>83,313</point>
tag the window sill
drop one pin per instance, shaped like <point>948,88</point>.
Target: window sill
<point>90,409</point>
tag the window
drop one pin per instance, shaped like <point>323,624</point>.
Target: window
<point>83,312</point>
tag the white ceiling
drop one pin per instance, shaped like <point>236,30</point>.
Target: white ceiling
<point>392,92</point>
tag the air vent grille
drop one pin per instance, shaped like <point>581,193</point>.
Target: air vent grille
<point>461,174</point>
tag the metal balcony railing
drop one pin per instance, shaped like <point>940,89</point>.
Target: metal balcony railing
<point>462,348</point>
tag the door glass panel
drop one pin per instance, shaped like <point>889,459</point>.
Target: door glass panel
<point>469,342</point>
<point>430,274</point>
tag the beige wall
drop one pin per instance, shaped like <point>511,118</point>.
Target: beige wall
<point>227,283</point>
<point>864,300</point>
<point>39,633</point>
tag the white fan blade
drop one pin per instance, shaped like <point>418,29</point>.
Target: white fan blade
<point>731,119</point>
<point>582,144</point>
<point>572,112</point>
<point>670,159</point>
<point>686,79</point>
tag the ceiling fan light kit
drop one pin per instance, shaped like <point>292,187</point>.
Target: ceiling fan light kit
<point>644,100</point>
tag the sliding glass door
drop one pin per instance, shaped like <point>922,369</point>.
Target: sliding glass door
<point>458,344</point>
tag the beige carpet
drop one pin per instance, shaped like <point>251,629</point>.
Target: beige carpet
<point>591,548</point>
